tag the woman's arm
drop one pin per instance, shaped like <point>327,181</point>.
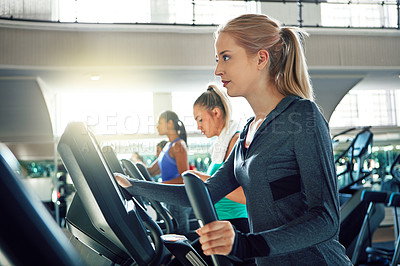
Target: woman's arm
<point>178,151</point>
<point>154,168</point>
<point>231,145</point>
<point>172,194</point>
<point>202,175</point>
<point>237,195</point>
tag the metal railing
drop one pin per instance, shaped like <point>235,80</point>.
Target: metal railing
<point>303,13</point>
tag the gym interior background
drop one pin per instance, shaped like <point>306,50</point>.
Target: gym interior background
<point>116,64</point>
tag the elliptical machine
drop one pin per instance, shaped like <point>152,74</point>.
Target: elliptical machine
<point>352,179</point>
<point>353,159</point>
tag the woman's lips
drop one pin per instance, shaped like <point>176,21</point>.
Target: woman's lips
<point>224,82</point>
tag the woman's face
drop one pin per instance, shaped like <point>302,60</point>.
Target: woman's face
<point>238,71</point>
<point>207,122</point>
<point>162,126</point>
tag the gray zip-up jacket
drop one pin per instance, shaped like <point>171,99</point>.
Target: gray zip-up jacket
<point>289,179</point>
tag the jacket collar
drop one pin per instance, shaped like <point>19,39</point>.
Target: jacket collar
<point>281,106</point>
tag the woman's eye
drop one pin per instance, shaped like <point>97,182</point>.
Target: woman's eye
<point>225,57</point>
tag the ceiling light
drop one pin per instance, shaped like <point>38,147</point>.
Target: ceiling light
<point>95,77</point>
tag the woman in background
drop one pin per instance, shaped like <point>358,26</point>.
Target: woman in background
<point>172,162</point>
<point>212,112</point>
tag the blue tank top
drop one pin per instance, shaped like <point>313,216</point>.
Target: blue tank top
<point>167,164</point>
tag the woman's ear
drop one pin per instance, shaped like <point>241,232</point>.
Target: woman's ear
<point>170,124</point>
<point>216,112</point>
<point>262,56</point>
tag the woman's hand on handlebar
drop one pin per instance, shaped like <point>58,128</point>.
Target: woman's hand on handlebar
<point>203,176</point>
<point>122,181</point>
<point>217,238</point>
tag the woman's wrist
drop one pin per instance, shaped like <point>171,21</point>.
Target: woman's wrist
<point>248,246</point>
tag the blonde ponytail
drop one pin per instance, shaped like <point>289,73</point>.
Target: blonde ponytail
<point>292,77</point>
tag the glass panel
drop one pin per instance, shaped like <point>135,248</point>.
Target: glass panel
<point>366,108</point>
<point>5,8</point>
<point>27,9</point>
<point>397,103</point>
<point>217,12</point>
<point>17,9</point>
<point>38,9</point>
<point>180,11</point>
<point>117,11</point>
<point>346,112</point>
<point>329,13</point>
<point>286,13</point>
<point>311,14</point>
<point>363,14</point>
<point>67,11</point>
<point>390,16</point>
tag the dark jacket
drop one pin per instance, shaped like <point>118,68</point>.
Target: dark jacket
<point>289,179</point>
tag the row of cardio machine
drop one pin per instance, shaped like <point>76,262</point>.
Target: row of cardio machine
<point>106,225</point>
<point>363,206</point>
<point>110,227</point>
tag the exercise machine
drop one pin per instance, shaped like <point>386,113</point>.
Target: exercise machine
<point>351,188</point>
<point>162,216</point>
<point>355,155</point>
<point>365,235</point>
<point>394,202</point>
<point>113,225</point>
<point>203,208</point>
<point>29,235</point>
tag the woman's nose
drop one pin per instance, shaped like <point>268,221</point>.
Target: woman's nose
<point>218,70</point>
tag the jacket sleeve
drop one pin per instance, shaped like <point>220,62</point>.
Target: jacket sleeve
<point>219,185</point>
<point>172,194</point>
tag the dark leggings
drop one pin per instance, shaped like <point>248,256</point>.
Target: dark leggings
<point>241,224</point>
